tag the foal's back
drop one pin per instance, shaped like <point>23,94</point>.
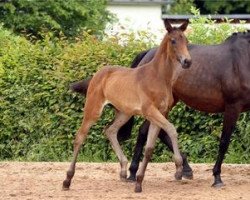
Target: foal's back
<point>127,89</point>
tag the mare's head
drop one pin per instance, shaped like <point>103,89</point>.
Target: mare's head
<point>177,44</point>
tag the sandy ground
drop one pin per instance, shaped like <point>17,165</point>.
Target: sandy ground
<point>101,181</point>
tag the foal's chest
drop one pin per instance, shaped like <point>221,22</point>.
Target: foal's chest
<point>166,103</point>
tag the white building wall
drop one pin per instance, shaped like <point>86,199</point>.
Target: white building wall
<point>137,18</point>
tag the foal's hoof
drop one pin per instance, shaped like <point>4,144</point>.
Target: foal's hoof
<point>178,176</point>
<point>123,176</point>
<point>188,175</point>
<point>66,184</point>
<point>138,188</point>
<point>218,185</point>
<point>131,178</point>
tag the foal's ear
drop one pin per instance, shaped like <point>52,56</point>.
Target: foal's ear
<point>168,26</point>
<point>183,27</point>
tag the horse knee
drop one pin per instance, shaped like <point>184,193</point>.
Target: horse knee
<point>148,153</point>
<point>111,132</point>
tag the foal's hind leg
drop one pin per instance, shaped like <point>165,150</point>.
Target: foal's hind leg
<point>111,133</point>
<point>91,114</point>
<point>80,138</point>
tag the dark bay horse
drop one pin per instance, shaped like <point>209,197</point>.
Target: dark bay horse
<point>145,91</point>
<point>217,82</point>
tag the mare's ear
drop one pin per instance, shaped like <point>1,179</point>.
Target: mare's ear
<point>168,26</point>
<point>183,27</point>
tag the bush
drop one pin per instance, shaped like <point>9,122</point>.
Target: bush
<point>40,116</point>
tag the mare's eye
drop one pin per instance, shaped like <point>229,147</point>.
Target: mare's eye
<point>173,41</point>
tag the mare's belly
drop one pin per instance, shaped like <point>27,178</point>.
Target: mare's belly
<point>202,96</point>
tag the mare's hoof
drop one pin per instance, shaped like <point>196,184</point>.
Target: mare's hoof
<point>66,184</point>
<point>138,188</point>
<point>65,189</point>
<point>218,185</point>
<point>178,176</point>
<point>131,179</point>
<point>188,175</point>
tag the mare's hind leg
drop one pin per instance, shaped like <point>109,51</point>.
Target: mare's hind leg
<point>140,142</point>
<point>91,114</point>
<point>111,133</point>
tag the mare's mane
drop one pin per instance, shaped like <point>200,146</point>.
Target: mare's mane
<point>239,35</point>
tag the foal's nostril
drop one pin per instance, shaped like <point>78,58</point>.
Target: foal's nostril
<point>187,63</point>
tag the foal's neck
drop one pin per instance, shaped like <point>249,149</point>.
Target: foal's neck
<point>163,64</point>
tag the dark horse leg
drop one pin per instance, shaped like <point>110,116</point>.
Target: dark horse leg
<point>141,140</point>
<point>230,117</point>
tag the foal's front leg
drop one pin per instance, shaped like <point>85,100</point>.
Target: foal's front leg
<point>159,121</point>
<point>152,136</point>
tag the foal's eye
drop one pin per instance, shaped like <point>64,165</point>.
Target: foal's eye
<point>173,41</point>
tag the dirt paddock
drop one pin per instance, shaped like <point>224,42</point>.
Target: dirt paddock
<point>101,181</point>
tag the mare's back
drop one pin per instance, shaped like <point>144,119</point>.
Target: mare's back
<point>206,83</point>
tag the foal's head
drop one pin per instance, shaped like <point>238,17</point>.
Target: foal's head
<point>177,44</point>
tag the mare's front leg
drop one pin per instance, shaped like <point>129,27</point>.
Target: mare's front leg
<point>231,115</point>
<point>111,133</point>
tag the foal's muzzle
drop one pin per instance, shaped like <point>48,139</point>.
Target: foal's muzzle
<point>185,62</point>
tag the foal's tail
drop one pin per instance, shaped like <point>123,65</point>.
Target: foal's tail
<point>81,86</point>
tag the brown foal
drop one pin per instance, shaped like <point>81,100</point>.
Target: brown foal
<point>145,91</point>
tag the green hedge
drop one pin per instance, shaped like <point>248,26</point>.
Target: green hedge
<point>40,116</point>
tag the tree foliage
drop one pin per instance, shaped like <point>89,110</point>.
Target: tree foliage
<point>66,16</point>
<point>211,6</point>
<point>182,6</point>
<point>224,6</point>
